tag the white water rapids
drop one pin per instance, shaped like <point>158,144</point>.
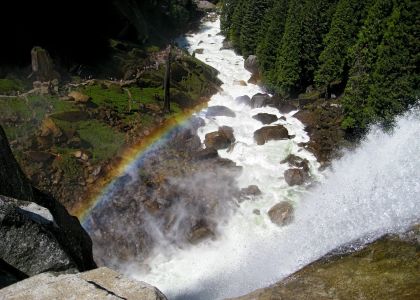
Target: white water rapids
<point>371,191</point>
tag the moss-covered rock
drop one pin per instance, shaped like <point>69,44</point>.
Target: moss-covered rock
<point>387,269</point>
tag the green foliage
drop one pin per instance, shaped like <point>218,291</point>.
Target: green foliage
<point>271,38</point>
<point>104,140</point>
<point>228,8</point>
<point>251,25</point>
<point>236,26</point>
<point>363,56</point>
<point>315,25</point>
<point>395,79</point>
<point>288,68</point>
<point>342,35</point>
<point>368,49</point>
<point>8,86</point>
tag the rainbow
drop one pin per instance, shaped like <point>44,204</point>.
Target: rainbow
<point>131,156</point>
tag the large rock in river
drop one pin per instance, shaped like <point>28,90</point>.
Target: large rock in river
<point>282,213</point>
<point>219,110</point>
<point>220,139</point>
<point>268,133</point>
<point>295,176</point>
<point>260,100</point>
<point>251,64</point>
<point>265,118</point>
<point>102,283</point>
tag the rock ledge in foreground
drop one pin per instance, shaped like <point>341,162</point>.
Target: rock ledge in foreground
<point>102,283</point>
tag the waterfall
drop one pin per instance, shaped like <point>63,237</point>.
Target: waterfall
<point>368,192</point>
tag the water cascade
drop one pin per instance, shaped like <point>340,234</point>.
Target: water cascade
<point>369,192</point>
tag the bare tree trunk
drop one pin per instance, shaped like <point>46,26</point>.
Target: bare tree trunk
<point>130,99</point>
<point>167,83</point>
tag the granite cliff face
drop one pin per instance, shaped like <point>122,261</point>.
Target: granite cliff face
<point>37,233</point>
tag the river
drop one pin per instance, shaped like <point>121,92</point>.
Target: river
<point>369,192</point>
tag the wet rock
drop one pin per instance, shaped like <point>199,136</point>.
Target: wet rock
<point>243,99</point>
<point>268,133</point>
<point>252,190</point>
<point>220,139</point>
<point>260,100</point>
<point>255,79</point>
<point>218,110</point>
<point>79,97</point>
<point>285,107</point>
<point>102,283</point>
<point>199,51</point>
<point>208,153</point>
<point>227,45</point>
<point>256,212</point>
<point>282,213</point>
<point>295,176</point>
<point>240,82</point>
<point>216,140</point>
<point>296,161</point>
<point>265,118</point>
<point>251,64</point>
<point>205,5</point>
<point>199,232</point>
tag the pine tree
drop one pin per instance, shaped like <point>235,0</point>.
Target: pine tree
<point>236,26</point>
<point>315,25</point>
<point>307,23</point>
<point>271,32</point>
<point>228,8</point>
<point>345,25</point>
<point>288,67</point>
<point>252,21</point>
<point>363,57</point>
<point>396,73</point>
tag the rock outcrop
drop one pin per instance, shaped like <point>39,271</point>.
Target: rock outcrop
<point>220,139</point>
<point>251,64</point>
<point>282,213</point>
<point>295,176</point>
<point>268,133</point>
<point>265,118</point>
<point>387,269</point>
<point>220,111</point>
<point>37,233</point>
<point>102,283</point>
<point>260,100</point>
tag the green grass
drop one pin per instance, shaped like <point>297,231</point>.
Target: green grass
<point>105,141</point>
<point>118,99</point>
<point>27,114</point>
<point>10,85</point>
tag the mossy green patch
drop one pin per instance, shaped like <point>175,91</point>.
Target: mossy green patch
<point>8,86</point>
<point>117,98</point>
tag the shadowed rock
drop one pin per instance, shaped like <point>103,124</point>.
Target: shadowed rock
<point>265,118</point>
<point>295,176</point>
<point>282,213</point>
<point>219,110</point>
<point>260,100</point>
<point>59,239</point>
<point>268,133</point>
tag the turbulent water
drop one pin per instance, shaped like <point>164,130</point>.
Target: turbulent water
<point>371,191</point>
